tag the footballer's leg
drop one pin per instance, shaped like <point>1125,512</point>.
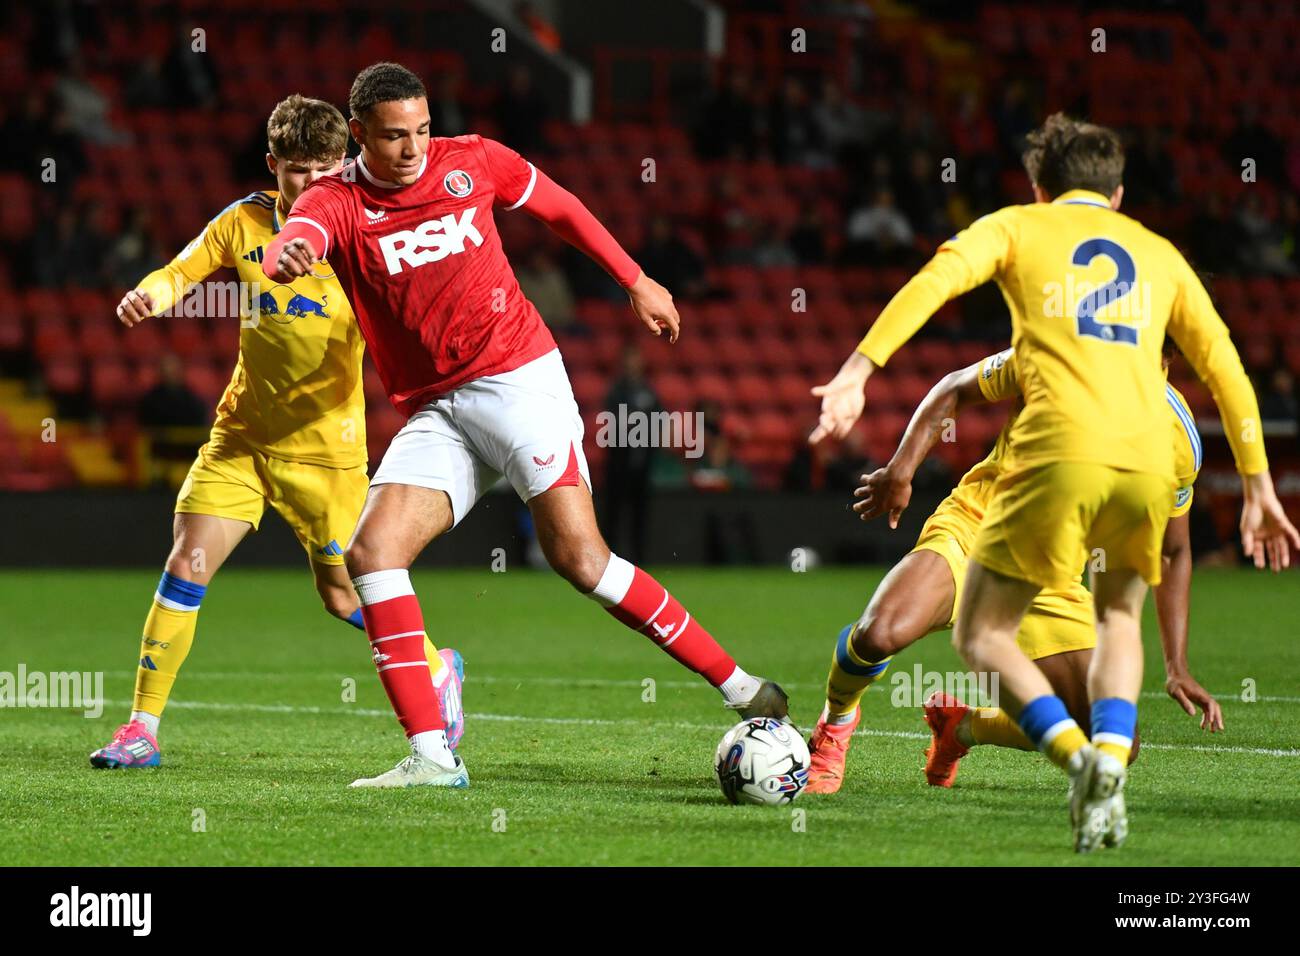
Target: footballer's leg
<point>567,532</point>
<point>446,665</point>
<point>201,544</point>
<point>398,522</point>
<point>323,506</point>
<point>956,728</point>
<point>915,598</point>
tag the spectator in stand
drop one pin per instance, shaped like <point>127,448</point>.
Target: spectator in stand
<point>717,470</point>
<point>772,250</point>
<point>731,229</point>
<point>923,199</point>
<point>545,286</point>
<point>23,129</point>
<point>1290,226</point>
<point>1278,402</point>
<point>1214,238</point>
<point>851,462</point>
<point>147,90</point>
<point>446,112</point>
<point>543,31</point>
<point>134,252</point>
<point>85,107</point>
<point>170,403</point>
<point>522,112</point>
<point>1149,172</point>
<point>730,534</point>
<point>730,122</point>
<point>878,232</point>
<point>1015,118</point>
<point>808,237</point>
<point>667,256</point>
<point>974,139</point>
<point>627,466</point>
<point>1251,139</point>
<point>842,125</point>
<point>188,73</point>
<point>72,253</point>
<point>794,135</point>
<point>1262,248</point>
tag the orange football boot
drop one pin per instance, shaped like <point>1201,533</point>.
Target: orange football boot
<point>829,746</point>
<point>943,713</point>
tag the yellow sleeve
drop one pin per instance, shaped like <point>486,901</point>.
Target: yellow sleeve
<point>205,254</point>
<point>970,258</point>
<point>999,379</point>
<point>1203,338</point>
<point>1182,501</point>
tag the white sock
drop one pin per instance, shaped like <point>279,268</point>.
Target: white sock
<point>149,720</point>
<point>432,744</point>
<point>840,719</point>
<point>739,687</point>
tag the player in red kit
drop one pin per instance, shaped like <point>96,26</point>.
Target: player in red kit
<point>409,231</point>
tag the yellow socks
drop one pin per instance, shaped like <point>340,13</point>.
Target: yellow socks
<point>850,676</point>
<point>992,725</point>
<point>1051,729</point>
<point>168,635</point>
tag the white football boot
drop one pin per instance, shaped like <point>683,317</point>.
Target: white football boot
<point>1097,811</point>
<point>419,771</point>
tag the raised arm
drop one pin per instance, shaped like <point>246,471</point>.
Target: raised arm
<point>573,222</point>
<point>1267,535</point>
<point>161,289</point>
<point>970,258</point>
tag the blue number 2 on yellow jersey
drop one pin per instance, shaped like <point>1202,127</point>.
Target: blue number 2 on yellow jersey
<point>1112,291</point>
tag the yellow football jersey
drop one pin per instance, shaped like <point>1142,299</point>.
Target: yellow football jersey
<point>999,380</point>
<point>1091,294</point>
<point>296,392</point>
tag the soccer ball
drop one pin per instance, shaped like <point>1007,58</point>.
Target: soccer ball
<point>762,760</point>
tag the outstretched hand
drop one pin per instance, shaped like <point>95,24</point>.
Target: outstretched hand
<point>653,305</point>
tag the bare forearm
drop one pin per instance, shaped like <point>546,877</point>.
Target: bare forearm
<point>1173,601</point>
<point>927,424</point>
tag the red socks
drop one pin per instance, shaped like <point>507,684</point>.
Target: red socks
<point>643,604</point>
<point>395,627</point>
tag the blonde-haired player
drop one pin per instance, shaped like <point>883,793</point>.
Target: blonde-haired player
<point>1089,468</point>
<point>289,429</point>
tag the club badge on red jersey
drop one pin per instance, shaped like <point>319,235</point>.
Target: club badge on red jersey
<point>458,183</point>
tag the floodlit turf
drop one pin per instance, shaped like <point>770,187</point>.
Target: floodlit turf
<point>569,764</point>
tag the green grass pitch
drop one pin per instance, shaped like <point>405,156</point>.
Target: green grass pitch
<point>569,764</point>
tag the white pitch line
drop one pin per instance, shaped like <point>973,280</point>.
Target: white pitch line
<point>625,722</point>
<point>1224,697</point>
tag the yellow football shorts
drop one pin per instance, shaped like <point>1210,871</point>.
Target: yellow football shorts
<point>1046,522</point>
<point>231,479</point>
<point>1057,621</point>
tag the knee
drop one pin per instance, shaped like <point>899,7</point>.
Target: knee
<point>180,564</point>
<point>881,635</point>
<point>581,563</point>
<point>338,601</point>
<point>964,641</point>
<point>361,558</point>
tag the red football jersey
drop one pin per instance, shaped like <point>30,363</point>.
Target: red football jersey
<point>423,267</point>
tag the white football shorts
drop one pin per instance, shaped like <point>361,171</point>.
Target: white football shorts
<point>523,424</point>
